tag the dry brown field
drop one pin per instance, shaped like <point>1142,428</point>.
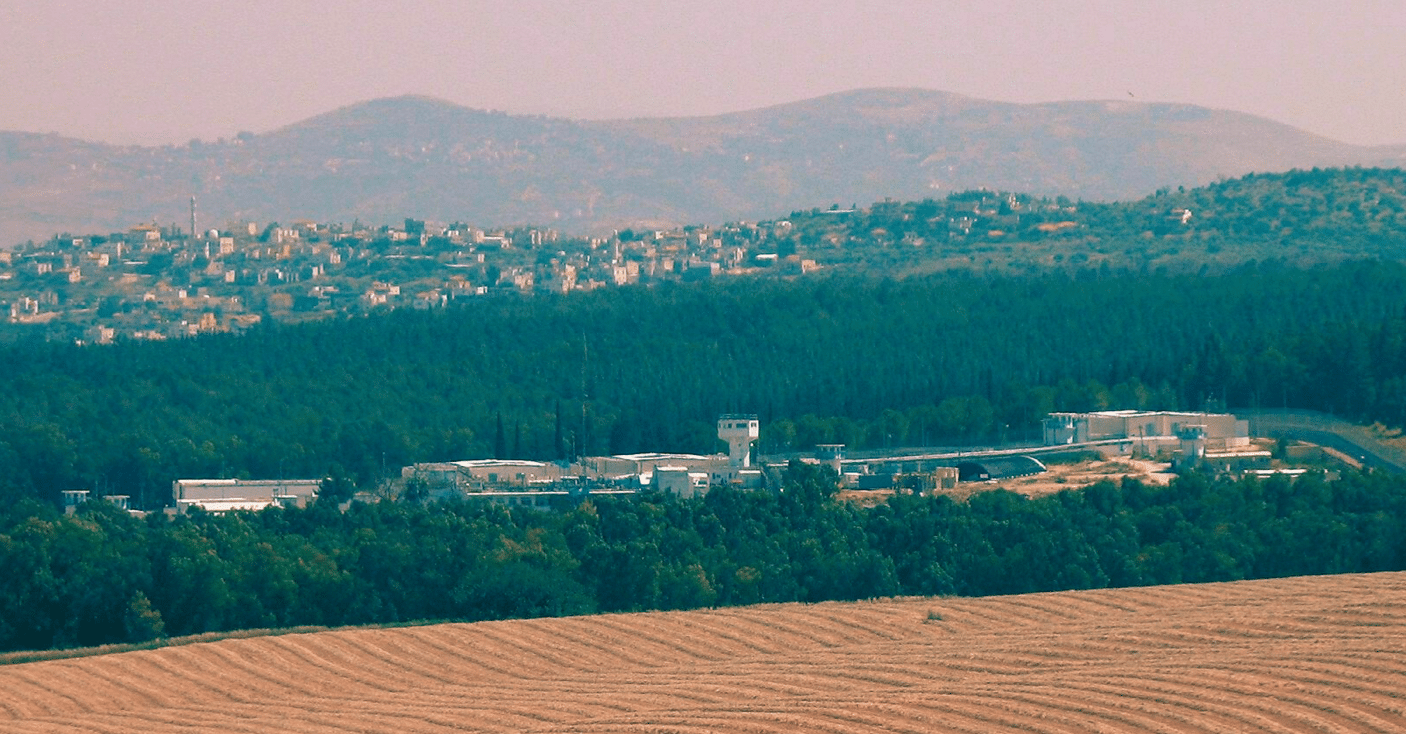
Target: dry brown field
<point>1324,654</point>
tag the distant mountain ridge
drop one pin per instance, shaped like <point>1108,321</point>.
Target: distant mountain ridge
<point>387,159</point>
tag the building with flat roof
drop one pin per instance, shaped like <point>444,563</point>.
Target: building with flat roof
<point>645,464</point>
<point>1221,430</point>
<point>226,495</point>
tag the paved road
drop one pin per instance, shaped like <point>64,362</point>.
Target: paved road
<point>1327,430</point>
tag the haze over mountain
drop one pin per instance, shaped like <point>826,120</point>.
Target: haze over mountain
<point>387,159</point>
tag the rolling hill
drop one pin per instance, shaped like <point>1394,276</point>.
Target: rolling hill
<point>1289,655</point>
<point>387,159</point>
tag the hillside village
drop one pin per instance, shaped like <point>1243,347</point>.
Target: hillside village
<point>156,283</point>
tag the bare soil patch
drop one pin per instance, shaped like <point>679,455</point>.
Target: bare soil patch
<point>1072,476</point>
<point>1059,478</point>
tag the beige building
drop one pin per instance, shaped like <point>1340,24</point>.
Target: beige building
<point>645,464</point>
<point>227,495</point>
<point>1221,430</point>
<point>446,478</point>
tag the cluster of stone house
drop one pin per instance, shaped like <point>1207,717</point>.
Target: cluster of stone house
<point>153,283</point>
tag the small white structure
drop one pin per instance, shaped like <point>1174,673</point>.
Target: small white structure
<point>831,455</point>
<point>744,479</point>
<point>72,498</point>
<point>1193,444</point>
<point>739,431</point>
<point>678,480</point>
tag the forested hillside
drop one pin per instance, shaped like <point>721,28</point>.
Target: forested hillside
<point>1303,217</point>
<point>950,359</point>
<point>103,576</point>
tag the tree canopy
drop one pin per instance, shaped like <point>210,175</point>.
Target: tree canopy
<point>103,576</point>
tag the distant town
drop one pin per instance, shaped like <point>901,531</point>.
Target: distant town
<point>158,282</point>
<point>155,282</point>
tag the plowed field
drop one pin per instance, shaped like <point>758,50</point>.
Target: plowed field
<point>1295,655</point>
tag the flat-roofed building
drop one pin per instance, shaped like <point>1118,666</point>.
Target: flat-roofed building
<point>1221,430</point>
<point>225,495</point>
<point>446,478</point>
<point>678,480</point>
<point>642,464</point>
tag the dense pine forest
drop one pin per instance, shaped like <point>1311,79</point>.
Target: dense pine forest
<point>936,360</point>
<point>957,358</point>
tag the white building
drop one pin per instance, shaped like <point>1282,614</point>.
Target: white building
<point>453,478</point>
<point>226,495</point>
<point>1219,430</point>
<point>686,475</point>
<point>645,464</point>
<point>678,480</point>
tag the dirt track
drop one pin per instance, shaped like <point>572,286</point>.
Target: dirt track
<point>1298,655</point>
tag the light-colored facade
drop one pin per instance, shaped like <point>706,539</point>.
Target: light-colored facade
<point>510,471</point>
<point>1220,430</point>
<point>452,478</point>
<point>678,480</point>
<point>739,431</point>
<point>686,475</point>
<point>225,495</point>
<point>645,464</point>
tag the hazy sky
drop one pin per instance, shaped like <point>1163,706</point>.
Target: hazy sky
<point>157,71</point>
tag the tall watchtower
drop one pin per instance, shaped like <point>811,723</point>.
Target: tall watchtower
<point>739,431</point>
<point>1193,444</point>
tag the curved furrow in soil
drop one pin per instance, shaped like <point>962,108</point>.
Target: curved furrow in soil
<point>680,637</point>
<point>1095,712</point>
<point>332,666</point>
<point>812,626</point>
<point>1325,685</point>
<point>853,622</point>
<point>1098,604</point>
<point>248,680</point>
<point>495,658</point>
<point>762,720</point>
<point>480,656</point>
<point>735,635</point>
<point>1052,716</point>
<point>759,633</point>
<point>1285,656</point>
<point>406,661</point>
<point>544,651</point>
<point>1256,711</point>
<point>42,689</point>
